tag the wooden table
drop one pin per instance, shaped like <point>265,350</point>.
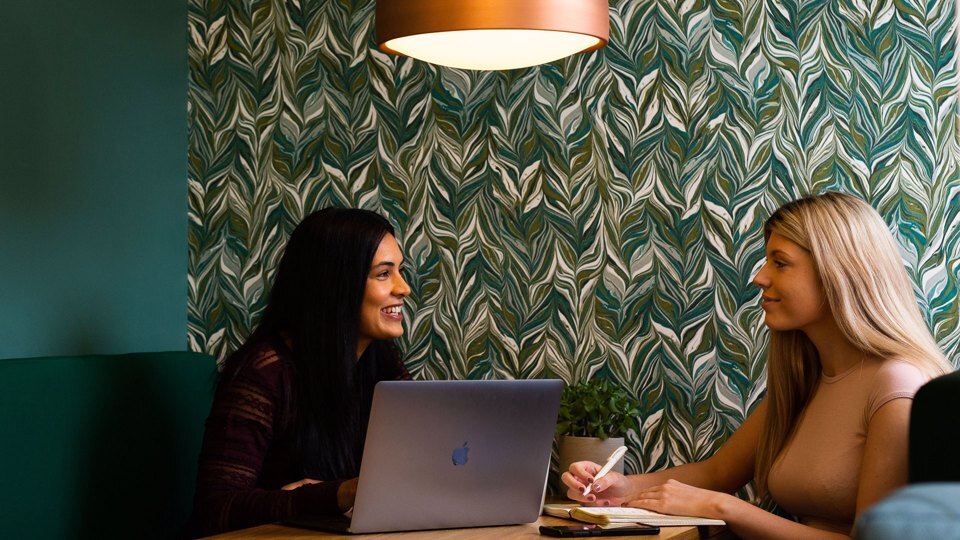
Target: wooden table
<point>528,531</point>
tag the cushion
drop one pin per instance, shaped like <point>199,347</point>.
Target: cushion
<point>101,446</point>
<point>929,511</point>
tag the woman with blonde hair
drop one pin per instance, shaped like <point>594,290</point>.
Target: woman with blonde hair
<point>848,349</point>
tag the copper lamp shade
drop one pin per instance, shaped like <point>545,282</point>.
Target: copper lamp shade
<point>491,34</point>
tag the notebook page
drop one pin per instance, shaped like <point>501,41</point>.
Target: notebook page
<point>616,514</point>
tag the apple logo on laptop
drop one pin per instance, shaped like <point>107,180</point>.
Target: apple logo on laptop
<point>460,455</point>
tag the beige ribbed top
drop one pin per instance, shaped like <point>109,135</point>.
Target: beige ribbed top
<point>817,474</point>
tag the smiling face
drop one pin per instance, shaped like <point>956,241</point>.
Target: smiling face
<point>793,297</point>
<point>381,315</point>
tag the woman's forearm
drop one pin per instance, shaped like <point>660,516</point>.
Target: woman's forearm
<point>748,521</point>
<point>698,474</point>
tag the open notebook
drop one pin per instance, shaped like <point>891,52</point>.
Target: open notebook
<point>608,515</point>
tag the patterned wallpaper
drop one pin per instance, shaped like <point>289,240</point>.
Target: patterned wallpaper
<point>599,215</point>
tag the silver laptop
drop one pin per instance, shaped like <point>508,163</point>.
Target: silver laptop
<point>452,454</point>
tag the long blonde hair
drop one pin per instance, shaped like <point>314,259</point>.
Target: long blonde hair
<point>869,293</point>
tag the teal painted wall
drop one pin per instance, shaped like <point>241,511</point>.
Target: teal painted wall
<point>92,177</point>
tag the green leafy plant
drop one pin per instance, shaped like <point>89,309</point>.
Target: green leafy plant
<point>596,408</point>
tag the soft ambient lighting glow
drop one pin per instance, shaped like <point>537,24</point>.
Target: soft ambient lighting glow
<point>491,34</point>
<point>492,49</point>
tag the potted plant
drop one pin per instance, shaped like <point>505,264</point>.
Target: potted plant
<point>594,417</point>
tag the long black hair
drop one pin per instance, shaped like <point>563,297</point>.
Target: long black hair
<point>313,315</point>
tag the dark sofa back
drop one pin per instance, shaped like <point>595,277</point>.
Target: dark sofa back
<point>935,431</point>
<point>101,446</point>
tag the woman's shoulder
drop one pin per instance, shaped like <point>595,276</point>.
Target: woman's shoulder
<point>260,361</point>
<point>901,371</point>
<point>896,378</point>
<point>264,355</point>
<point>252,385</point>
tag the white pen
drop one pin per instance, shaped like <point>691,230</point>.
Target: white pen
<point>611,461</point>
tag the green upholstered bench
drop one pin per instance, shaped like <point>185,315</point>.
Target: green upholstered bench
<point>101,446</point>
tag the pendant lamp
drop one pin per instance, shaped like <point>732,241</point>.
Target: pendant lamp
<point>491,34</point>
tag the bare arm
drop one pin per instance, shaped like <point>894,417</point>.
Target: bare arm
<point>884,468</point>
<point>708,493</point>
<point>744,519</point>
<point>728,470</point>
<point>884,465</point>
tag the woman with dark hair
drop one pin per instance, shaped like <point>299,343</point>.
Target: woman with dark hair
<point>285,433</point>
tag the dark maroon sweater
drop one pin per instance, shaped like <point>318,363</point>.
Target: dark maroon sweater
<point>243,464</point>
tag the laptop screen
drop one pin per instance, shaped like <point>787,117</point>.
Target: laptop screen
<point>451,454</point>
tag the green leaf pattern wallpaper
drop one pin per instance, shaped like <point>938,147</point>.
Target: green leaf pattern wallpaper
<point>597,216</point>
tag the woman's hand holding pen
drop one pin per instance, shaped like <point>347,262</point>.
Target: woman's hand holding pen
<point>671,497</point>
<point>612,489</point>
